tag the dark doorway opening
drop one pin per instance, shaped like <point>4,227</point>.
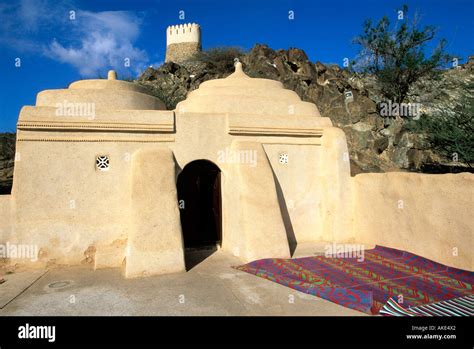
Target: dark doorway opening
<point>199,199</point>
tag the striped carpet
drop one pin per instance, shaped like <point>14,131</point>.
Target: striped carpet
<point>462,306</point>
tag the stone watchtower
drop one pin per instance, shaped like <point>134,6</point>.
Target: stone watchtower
<point>182,42</point>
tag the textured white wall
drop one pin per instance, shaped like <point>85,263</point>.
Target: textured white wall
<point>430,215</point>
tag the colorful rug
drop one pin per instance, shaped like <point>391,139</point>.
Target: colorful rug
<point>368,285</point>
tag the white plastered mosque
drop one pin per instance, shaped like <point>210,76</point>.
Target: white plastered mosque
<point>242,163</point>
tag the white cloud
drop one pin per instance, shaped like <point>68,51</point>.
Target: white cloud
<point>105,40</point>
<point>92,43</point>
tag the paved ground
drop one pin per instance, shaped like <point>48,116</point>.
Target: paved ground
<point>211,287</point>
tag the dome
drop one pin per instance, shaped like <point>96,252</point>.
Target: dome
<point>105,94</point>
<point>241,94</point>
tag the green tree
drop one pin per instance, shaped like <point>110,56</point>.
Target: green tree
<point>396,54</point>
<point>450,132</point>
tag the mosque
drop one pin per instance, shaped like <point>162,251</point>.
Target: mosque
<point>113,178</point>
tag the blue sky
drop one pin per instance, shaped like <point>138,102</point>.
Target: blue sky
<point>55,50</point>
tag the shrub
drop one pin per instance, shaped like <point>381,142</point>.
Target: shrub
<point>396,56</point>
<point>450,132</point>
<point>219,60</point>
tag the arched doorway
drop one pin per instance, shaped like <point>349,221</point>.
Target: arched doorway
<point>199,199</point>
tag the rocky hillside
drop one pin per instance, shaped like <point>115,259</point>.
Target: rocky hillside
<point>376,143</point>
<point>7,155</point>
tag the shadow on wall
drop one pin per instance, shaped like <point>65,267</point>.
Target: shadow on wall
<point>290,233</point>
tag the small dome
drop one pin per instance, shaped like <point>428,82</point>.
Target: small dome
<point>239,93</point>
<point>107,93</point>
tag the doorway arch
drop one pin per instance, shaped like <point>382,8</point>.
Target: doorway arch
<point>199,199</point>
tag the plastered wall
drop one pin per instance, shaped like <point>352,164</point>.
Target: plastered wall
<point>430,215</point>
<point>5,217</point>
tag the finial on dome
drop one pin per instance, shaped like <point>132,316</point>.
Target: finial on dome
<point>238,66</point>
<point>111,75</point>
<point>239,72</point>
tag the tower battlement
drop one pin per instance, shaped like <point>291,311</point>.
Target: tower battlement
<point>182,42</point>
<point>189,32</point>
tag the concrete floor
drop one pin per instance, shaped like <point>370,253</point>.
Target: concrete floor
<point>211,287</point>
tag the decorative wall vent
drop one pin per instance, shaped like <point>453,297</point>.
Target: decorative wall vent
<point>102,163</point>
<point>283,158</point>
